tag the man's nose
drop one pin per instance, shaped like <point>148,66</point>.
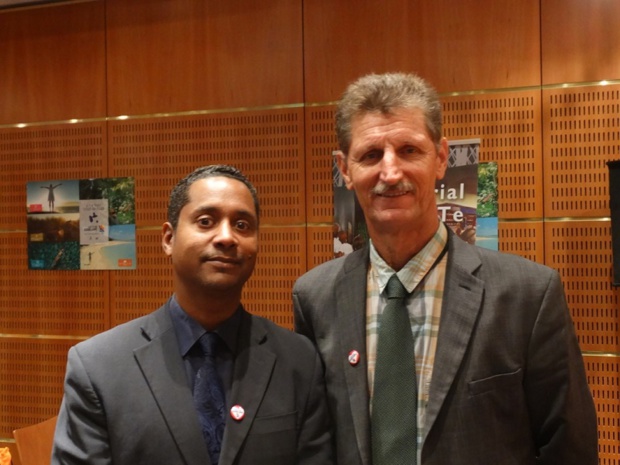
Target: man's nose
<point>391,170</point>
<point>225,234</point>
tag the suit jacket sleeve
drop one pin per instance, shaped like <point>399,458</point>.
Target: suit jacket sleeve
<point>560,403</point>
<point>81,433</point>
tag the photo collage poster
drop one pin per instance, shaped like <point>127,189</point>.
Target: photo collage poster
<point>466,198</point>
<point>85,224</point>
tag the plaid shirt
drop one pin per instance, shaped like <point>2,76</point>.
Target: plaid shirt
<point>423,277</point>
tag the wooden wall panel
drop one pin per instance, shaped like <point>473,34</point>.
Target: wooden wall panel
<point>582,134</point>
<point>31,380</point>
<point>195,54</point>
<point>440,40</point>
<point>267,145</point>
<point>44,302</point>
<point>581,252</point>
<point>580,41</point>
<point>52,63</point>
<point>508,126</point>
<point>523,238</point>
<point>47,302</point>
<point>320,245</point>
<point>135,293</point>
<point>320,145</point>
<point>281,260</point>
<point>49,152</point>
<point>604,380</point>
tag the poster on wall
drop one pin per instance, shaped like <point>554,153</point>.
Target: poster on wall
<point>467,195</point>
<point>349,227</point>
<point>85,224</point>
<point>487,207</point>
<point>466,201</point>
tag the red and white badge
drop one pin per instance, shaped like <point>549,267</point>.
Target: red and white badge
<point>237,412</point>
<point>354,357</point>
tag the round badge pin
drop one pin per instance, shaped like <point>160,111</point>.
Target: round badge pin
<point>354,357</point>
<point>237,412</point>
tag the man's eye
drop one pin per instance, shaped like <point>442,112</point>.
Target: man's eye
<point>242,225</point>
<point>205,222</point>
<point>371,156</point>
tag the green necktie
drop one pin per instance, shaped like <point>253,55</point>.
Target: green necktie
<point>395,394</point>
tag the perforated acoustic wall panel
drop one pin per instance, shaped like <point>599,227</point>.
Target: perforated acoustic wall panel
<point>581,252</point>
<point>66,302</point>
<point>281,261</point>
<point>524,238</point>
<point>31,376</point>
<point>266,145</point>
<point>41,302</point>
<point>604,380</point>
<point>508,126</point>
<point>320,144</point>
<point>583,133</point>
<point>37,153</point>
<point>135,293</point>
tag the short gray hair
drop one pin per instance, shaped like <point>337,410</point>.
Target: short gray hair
<point>385,93</point>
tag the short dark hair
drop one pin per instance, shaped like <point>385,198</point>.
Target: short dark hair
<point>179,196</point>
<point>385,93</point>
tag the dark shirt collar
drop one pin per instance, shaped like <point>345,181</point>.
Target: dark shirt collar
<point>188,330</point>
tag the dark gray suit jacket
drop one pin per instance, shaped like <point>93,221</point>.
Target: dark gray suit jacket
<point>127,400</point>
<point>508,383</point>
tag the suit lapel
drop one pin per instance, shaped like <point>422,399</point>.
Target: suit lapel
<point>253,368</point>
<point>162,367</point>
<point>350,291</point>
<point>461,305</point>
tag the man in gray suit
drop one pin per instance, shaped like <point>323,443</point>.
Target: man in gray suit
<point>499,377</point>
<point>129,391</point>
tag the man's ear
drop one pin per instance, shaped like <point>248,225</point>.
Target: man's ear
<point>341,161</point>
<point>167,238</point>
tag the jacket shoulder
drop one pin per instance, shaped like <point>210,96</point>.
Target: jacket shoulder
<point>327,272</point>
<point>124,337</point>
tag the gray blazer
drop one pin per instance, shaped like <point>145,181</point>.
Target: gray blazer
<point>508,383</point>
<point>127,400</point>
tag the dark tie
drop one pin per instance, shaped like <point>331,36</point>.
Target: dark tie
<point>209,398</point>
<point>395,394</point>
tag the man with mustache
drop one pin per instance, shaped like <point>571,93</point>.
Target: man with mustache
<point>200,380</point>
<point>472,359</point>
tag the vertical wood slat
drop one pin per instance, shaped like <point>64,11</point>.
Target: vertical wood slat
<point>195,54</point>
<point>578,41</point>
<point>458,46</point>
<point>53,63</point>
